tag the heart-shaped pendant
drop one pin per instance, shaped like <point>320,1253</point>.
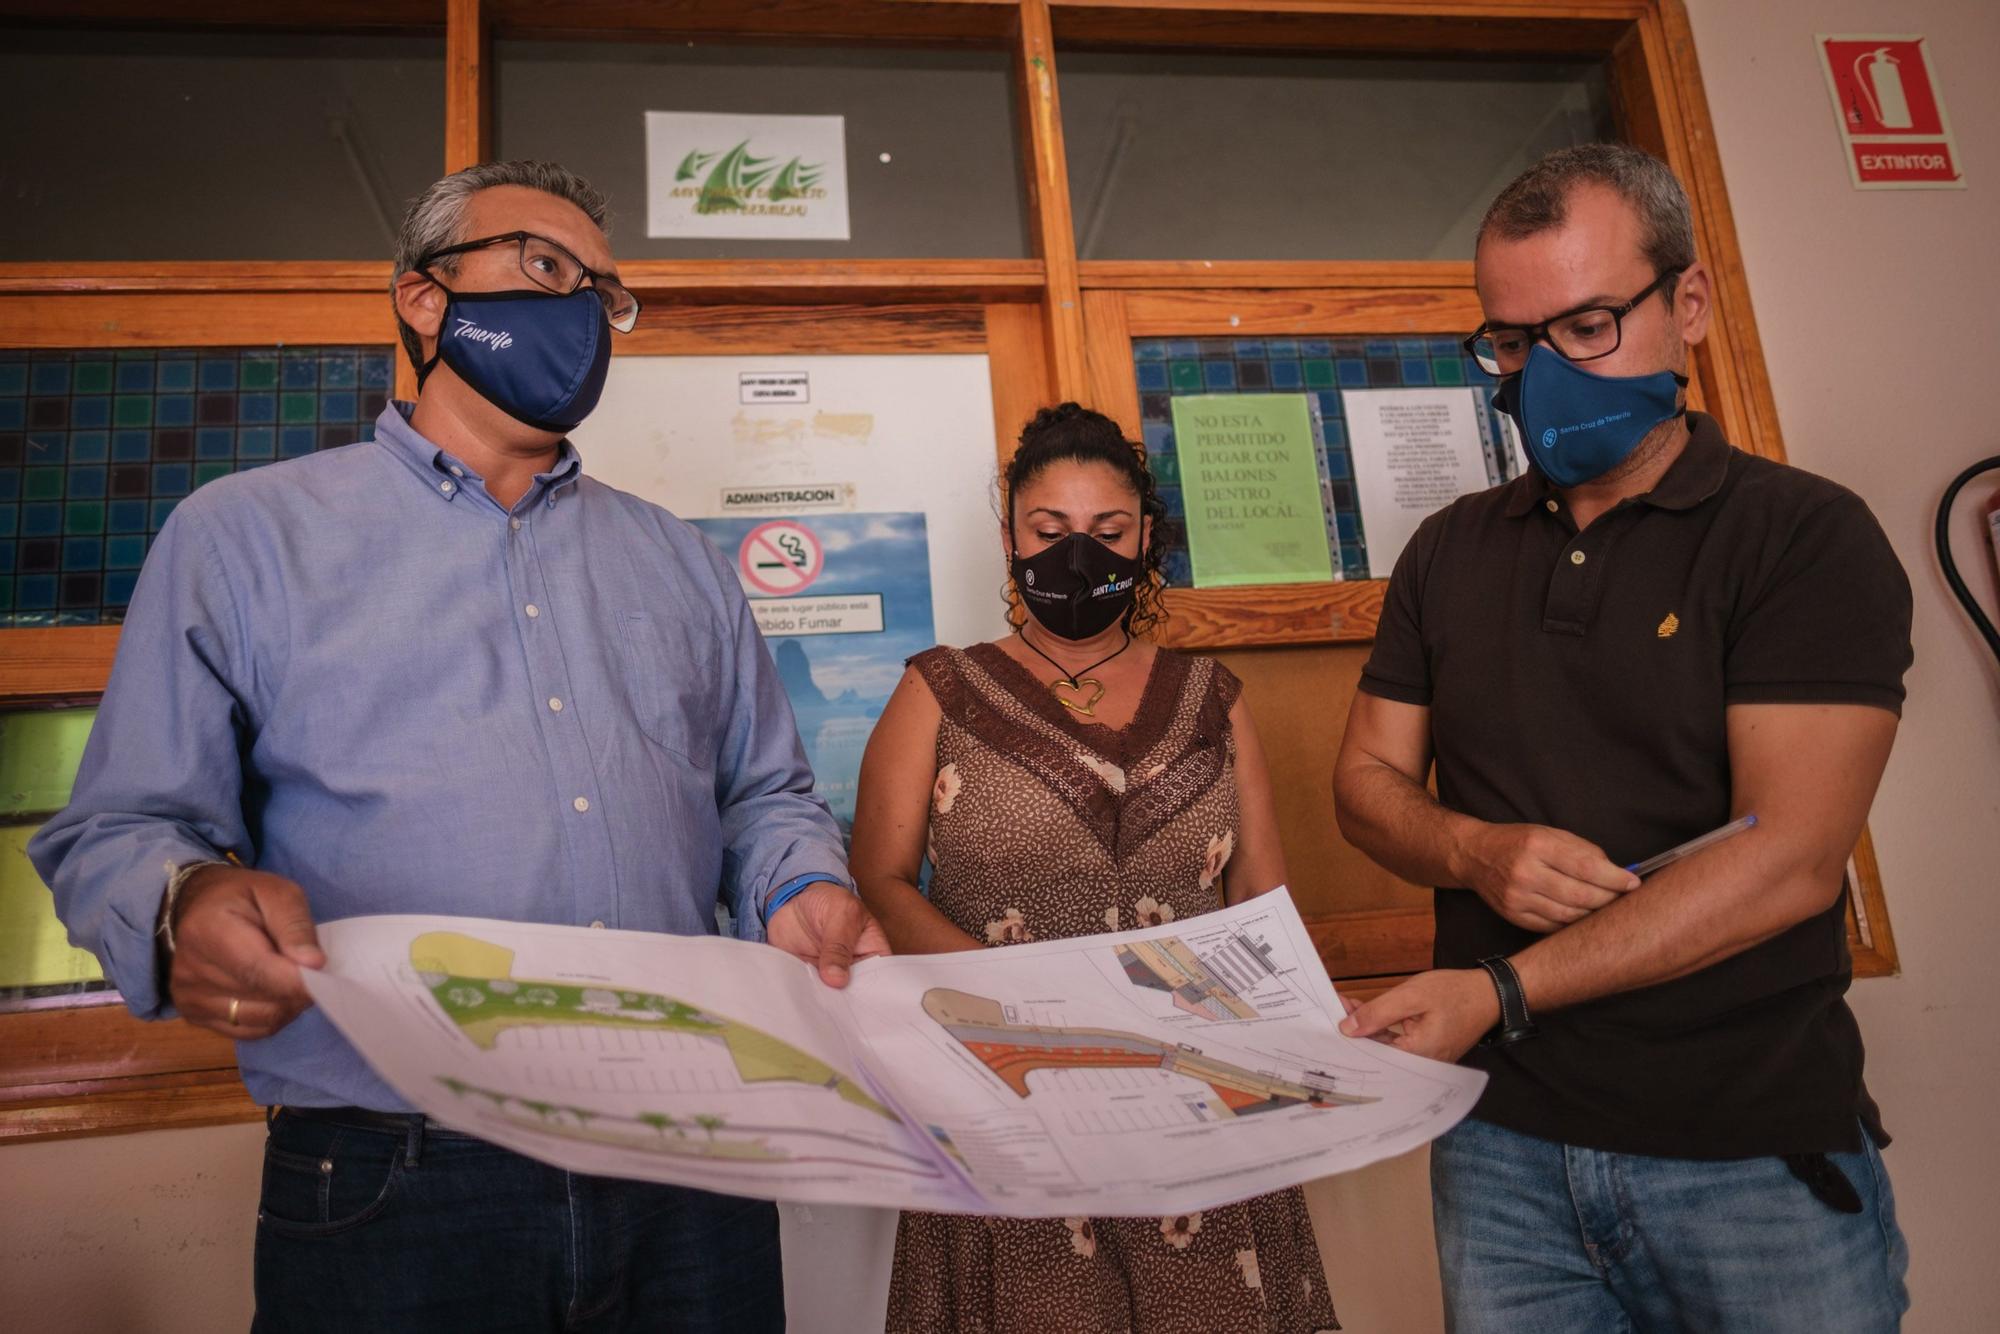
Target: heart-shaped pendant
<point>1085,707</point>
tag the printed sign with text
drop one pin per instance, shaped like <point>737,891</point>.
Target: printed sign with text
<point>1892,120</point>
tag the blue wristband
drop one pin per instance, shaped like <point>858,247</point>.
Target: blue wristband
<point>790,890</point>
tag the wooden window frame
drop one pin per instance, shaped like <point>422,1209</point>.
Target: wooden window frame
<point>1053,328</point>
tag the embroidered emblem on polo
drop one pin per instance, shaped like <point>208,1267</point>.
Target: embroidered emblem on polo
<point>1668,626</point>
<point>493,338</point>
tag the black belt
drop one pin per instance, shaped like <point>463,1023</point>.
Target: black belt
<point>404,1124</point>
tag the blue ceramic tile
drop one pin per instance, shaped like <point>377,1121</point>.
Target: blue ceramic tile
<point>35,592</point>
<point>125,551</point>
<point>41,519</point>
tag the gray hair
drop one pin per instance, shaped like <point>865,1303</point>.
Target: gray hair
<point>1538,199</point>
<point>436,218</point>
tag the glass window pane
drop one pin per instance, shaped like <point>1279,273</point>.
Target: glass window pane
<point>1167,368</point>
<point>97,446</point>
<point>1280,157</point>
<point>175,146</point>
<point>932,165</point>
<point>39,751</point>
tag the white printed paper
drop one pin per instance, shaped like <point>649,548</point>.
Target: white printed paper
<point>1146,1072</point>
<point>749,177</point>
<point>1415,451</point>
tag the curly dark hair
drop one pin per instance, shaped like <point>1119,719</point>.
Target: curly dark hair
<point>1071,433</point>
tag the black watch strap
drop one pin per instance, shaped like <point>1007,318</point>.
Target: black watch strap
<point>1515,1022</point>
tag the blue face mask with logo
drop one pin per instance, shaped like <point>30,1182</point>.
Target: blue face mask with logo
<point>1578,426</point>
<point>538,357</point>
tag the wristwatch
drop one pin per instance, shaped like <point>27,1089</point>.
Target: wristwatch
<point>1515,1022</point>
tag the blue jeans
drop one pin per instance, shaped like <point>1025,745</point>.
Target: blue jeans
<point>362,1228</point>
<point>1534,1236</point>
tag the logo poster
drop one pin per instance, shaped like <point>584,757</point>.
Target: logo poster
<point>1893,126</point>
<point>765,178</point>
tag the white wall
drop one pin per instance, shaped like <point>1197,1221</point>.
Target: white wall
<point>1880,315</point>
<point>1879,312</point>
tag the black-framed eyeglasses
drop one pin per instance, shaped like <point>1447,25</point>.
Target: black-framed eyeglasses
<point>553,269</point>
<point>1583,334</point>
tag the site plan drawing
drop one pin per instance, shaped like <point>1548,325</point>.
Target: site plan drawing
<point>1142,1072</point>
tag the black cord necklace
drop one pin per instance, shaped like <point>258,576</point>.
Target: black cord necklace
<point>1076,680</point>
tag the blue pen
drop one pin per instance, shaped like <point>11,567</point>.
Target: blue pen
<point>1692,846</point>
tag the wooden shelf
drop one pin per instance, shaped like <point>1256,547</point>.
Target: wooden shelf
<point>1341,612</point>
<point>1519,29</point>
<point>55,665</point>
<point>1275,274</point>
<point>812,281</point>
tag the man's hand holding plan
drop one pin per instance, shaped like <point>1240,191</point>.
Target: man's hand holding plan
<point>1157,1071</point>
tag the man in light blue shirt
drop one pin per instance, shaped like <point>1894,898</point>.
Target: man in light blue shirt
<point>446,672</point>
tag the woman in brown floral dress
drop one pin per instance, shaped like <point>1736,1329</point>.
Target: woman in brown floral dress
<point>1071,779</point>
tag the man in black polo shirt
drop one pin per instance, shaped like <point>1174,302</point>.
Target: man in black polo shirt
<point>1646,636</point>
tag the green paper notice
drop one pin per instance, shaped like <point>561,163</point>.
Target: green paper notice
<point>1251,486</point>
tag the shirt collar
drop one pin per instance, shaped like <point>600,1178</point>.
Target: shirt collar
<point>445,475</point>
<point>1695,476</point>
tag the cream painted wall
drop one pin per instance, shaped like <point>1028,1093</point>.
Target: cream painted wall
<point>129,1234</point>
<point>1880,314</point>
<point>151,1233</point>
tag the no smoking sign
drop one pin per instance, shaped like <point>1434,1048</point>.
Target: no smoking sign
<point>780,558</point>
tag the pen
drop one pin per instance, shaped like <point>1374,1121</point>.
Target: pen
<point>1692,846</point>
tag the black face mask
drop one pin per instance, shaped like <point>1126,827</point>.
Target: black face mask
<point>1078,587</point>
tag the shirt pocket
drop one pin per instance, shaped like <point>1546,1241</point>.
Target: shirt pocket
<point>673,678</point>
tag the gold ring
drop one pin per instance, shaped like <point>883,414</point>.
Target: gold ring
<point>234,1005</point>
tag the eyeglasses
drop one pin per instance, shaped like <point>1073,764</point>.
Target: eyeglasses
<point>553,269</point>
<point>1583,334</point>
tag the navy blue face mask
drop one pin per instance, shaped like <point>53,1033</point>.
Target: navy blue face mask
<point>538,357</point>
<point>1578,426</point>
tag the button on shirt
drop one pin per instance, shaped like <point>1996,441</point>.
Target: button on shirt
<point>1581,680</point>
<point>358,671</point>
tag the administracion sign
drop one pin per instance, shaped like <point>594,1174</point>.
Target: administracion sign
<point>1893,125</point>
<point>763,178</point>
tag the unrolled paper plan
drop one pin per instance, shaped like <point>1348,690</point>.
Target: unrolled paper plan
<point>1158,1071</point>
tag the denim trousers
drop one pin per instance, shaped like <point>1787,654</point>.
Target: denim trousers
<point>1536,1236</point>
<point>363,1228</point>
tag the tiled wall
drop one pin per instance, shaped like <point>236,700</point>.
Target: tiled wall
<point>97,446</point>
<point>1321,367</point>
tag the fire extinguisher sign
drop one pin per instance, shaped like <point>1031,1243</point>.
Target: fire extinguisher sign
<point>1891,114</point>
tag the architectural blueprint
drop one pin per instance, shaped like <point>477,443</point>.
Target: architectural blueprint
<point>1144,1072</point>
